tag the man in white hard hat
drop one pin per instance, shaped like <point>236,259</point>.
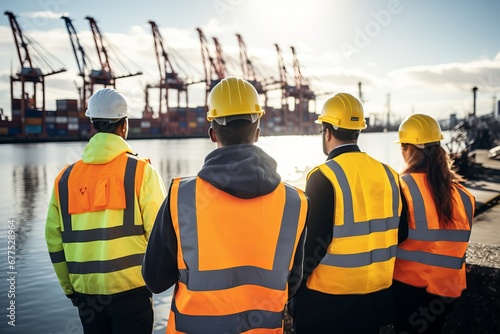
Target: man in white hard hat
<point>100,216</point>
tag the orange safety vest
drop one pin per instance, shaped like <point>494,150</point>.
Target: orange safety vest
<point>367,206</point>
<point>234,257</point>
<point>434,256</point>
<point>117,246</point>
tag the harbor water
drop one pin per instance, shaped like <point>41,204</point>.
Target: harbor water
<point>30,295</point>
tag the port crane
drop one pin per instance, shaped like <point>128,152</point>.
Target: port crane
<point>249,71</point>
<point>36,63</point>
<point>169,77</point>
<point>287,90</point>
<point>302,94</point>
<point>214,69</point>
<point>111,69</point>
<point>300,91</point>
<point>82,61</point>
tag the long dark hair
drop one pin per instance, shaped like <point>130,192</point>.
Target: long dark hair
<point>438,167</point>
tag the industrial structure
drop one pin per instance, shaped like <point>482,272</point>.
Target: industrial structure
<point>31,121</point>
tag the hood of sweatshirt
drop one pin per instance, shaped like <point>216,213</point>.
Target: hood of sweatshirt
<point>244,171</point>
<point>104,147</point>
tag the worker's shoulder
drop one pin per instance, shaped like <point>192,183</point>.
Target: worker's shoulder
<point>138,158</point>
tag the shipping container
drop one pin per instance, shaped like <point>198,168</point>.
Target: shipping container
<point>51,132</point>
<point>32,121</point>
<point>16,104</point>
<point>62,119</point>
<point>135,130</point>
<point>67,105</point>
<point>72,119</point>
<point>14,130</point>
<point>33,129</point>
<point>32,113</point>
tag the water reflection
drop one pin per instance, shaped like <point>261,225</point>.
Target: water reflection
<point>28,172</point>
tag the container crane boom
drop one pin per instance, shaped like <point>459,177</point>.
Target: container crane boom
<point>302,93</point>
<point>286,89</point>
<point>36,63</point>
<point>209,66</point>
<point>104,75</point>
<point>248,69</point>
<point>301,83</point>
<point>169,78</point>
<point>78,51</point>
<point>111,68</point>
<point>47,64</point>
<point>81,60</point>
<point>21,44</point>
<point>220,61</point>
<point>246,65</point>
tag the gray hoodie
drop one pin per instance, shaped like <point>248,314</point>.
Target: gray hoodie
<point>244,171</point>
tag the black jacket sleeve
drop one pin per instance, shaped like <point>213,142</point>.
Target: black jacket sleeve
<point>320,220</point>
<point>403,221</point>
<point>295,277</point>
<point>159,267</point>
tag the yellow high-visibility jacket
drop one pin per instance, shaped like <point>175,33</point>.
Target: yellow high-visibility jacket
<point>433,256</point>
<point>99,219</point>
<point>234,257</point>
<point>367,206</point>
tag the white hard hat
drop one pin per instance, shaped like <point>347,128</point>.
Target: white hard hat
<point>108,104</point>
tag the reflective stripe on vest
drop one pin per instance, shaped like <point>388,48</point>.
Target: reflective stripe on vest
<point>225,278</point>
<point>227,324</point>
<point>421,232</point>
<point>221,279</point>
<point>351,228</point>
<point>127,229</point>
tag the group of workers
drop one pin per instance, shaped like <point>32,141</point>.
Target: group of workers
<point>361,247</point>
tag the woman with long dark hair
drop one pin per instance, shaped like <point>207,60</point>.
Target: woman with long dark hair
<point>429,274</point>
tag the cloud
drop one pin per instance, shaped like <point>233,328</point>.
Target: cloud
<point>43,15</point>
<point>453,76</point>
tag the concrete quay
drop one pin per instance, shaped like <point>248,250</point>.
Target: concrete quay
<point>478,309</point>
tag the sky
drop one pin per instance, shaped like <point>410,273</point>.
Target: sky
<point>411,56</point>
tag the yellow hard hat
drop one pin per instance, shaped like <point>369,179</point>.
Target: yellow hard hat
<point>343,111</point>
<point>234,98</point>
<point>419,129</point>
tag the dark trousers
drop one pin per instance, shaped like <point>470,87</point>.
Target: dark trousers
<point>417,311</point>
<point>320,313</point>
<point>122,313</point>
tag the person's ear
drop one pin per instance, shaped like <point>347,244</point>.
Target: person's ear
<point>211,134</point>
<point>257,134</point>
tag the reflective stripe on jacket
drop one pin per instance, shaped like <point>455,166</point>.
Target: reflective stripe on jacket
<point>367,206</point>
<point>102,230</point>
<point>433,256</point>
<point>234,257</point>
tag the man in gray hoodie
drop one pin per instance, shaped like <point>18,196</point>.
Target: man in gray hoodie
<point>231,238</point>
